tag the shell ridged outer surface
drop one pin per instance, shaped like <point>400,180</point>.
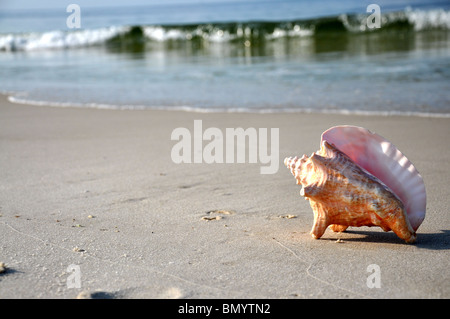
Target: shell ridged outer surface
<point>345,190</point>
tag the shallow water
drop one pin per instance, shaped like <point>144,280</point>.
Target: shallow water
<point>241,57</point>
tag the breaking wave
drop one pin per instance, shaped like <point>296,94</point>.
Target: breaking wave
<point>252,32</point>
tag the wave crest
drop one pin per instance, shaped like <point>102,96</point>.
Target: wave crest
<point>410,20</point>
<point>58,39</point>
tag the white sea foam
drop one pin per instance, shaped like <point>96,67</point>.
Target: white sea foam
<point>58,39</point>
<point>296,31</point>
<point>419,19</point>
<point>187,108</point>
<point>422,20</point>
<point>160,34</point>
<point>212,34</point>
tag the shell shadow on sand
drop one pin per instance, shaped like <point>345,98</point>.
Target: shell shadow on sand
<point>432,241</point>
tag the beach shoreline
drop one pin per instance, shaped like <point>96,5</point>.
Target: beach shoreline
<point>97,191</point>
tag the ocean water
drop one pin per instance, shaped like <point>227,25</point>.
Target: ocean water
<point>253,56</point>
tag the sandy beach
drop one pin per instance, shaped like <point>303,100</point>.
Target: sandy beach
<point>91,203</point>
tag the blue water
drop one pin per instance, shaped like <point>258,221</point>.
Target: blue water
<point>232,56</point>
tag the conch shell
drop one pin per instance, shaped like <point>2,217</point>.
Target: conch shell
<point>358,178</point>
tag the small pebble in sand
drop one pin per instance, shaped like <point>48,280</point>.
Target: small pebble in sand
<point>288,216</point>
<point>90,216</point>
<point>3,267</point>
<point>78,250</point>
<point>220,212</point>
<point>207,218</point>
<point>84,295</point>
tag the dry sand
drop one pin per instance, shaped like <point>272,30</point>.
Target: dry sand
<point>96,191</point>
